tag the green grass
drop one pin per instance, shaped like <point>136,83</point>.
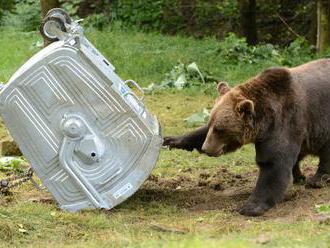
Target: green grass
<point>210,220</point>
<point>144,57</point>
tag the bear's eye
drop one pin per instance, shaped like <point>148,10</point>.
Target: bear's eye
<point>219,130</point>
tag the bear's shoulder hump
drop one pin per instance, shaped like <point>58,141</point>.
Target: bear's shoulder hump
<point>277,78</point>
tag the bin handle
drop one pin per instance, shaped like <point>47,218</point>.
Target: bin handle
<point>137,86</point>
<point>139,102</point>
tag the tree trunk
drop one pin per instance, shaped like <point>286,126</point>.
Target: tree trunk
<point>187,10</point>
<point>47,5</point>
<point>323,39</point>
<point>312,33</point>
<point>248,21</point>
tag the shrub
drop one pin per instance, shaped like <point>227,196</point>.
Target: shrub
<point>298,52</point>
<point>98,21</point>
<point>6,6</point>
<point>25,17</point>
<point>235,50</point>
<point>146,14</point>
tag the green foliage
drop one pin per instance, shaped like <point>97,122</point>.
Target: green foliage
<point>6,5</point>
<point>12,164</point>
<point>209,14</point>
<point>199,18</point>
<point>198,119</point>
<point>184,76</point>
<point>146,14</point>
<point>71,6</point>
<point>178,15</point>
<point>298,52</point>
<point>228,8</point>
<point>25,17</point>
<point>98,21</point>
<point>323,209</point>
<point>235,50</point>
<point>202,18</point>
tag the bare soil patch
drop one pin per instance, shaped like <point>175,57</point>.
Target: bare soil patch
<point>220,189</point>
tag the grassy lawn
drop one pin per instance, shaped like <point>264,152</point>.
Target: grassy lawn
<point>191,199</point>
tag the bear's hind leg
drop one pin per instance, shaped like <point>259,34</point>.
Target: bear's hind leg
<point>322,175</point>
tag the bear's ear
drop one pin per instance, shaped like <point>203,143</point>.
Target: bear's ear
<point>223,88</point>
<point>245,108</point>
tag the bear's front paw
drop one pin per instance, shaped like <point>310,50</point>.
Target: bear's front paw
<point>176,142</point>
<point>254,209</point>
<point>171,142</point>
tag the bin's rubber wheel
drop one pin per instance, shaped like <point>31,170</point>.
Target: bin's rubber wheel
<point>46,24</point>
<point>58,12</point>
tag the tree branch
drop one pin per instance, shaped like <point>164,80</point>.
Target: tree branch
<point>288,27</point>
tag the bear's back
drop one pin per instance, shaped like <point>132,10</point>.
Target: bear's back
<point>313,79</point>
<point>313,76</point>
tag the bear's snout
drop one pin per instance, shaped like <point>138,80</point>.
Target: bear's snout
<point>211,150</point>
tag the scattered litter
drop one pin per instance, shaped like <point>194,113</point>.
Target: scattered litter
<point>21,229</point>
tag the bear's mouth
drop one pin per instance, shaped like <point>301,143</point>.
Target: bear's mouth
<point>217,153</point>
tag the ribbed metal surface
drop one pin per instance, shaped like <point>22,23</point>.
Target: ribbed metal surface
<point>71,79</point>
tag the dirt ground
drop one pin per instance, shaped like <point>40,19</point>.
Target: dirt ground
<point>198,190</point>
<point>206,189</point>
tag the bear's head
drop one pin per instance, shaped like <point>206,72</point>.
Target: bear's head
<point>231,122</point>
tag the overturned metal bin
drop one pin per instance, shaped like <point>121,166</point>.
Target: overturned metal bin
<point>88,137</point>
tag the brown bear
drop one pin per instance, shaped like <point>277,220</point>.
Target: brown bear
<point>285,112</point>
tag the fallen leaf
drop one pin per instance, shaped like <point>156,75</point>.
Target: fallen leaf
<point>22,230</point>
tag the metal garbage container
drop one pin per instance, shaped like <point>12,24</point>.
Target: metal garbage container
<point>88,137</point>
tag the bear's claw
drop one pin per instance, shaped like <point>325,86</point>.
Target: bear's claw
<point>318,181</point>
<point>175,142</point>
<point>253,209</point>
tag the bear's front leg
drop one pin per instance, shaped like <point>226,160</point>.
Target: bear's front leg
<point>274,177</point>
<point>190,141</point>
<point>271,185</point>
